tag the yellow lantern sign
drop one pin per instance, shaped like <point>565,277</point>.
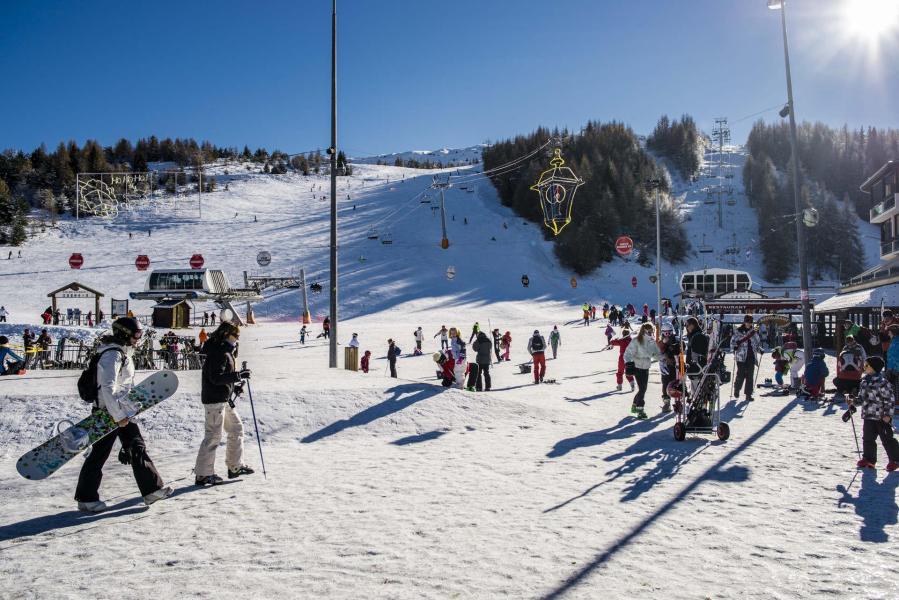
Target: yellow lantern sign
<point>557,187</point>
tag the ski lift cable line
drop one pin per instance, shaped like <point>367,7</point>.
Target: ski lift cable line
<point>496,171</point>
<point>761,112</point>
<point>511,162</point>
<point>475,177</point>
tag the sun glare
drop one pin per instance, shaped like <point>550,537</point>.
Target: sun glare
<point>872,18</point>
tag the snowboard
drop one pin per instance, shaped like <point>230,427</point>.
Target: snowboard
<point>46,459</point>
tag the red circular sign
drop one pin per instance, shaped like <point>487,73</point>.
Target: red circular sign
<point>76,260</point>
<point>196,261</point>
<point>634,281</point>
<point>142,262</point>
<point>624,245</point>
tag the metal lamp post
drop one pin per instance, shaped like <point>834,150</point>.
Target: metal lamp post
<point>655,184</point>
<point>800,233</point>
<point>332,339</point>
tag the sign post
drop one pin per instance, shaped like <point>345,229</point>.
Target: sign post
<point>76,260</point>
<point>142,262</point>
<point>624,245</point>
<point>196,261</point>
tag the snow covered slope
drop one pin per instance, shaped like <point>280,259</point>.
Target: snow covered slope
<point>443,156</point>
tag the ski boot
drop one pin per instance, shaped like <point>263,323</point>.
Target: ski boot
<point>666,405</point>
<point>865,464</point>
<point>641,414</point>
<point>619,387</point>
<point>634,409</point>
<point>892,466</point>
<point>469,388</point>
<point>632,386</point>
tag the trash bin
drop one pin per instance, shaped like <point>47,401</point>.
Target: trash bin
<point>351,359</point>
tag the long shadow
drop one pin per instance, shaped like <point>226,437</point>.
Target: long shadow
<point>875,504</point>
<point>403,396</point>
<point>716,472</point>
<point>415,439</point>
<point>595,396</point>
<point>625,428</point>
<point>68,518</point>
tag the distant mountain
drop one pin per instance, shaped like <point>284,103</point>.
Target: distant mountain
<point>447,157</point>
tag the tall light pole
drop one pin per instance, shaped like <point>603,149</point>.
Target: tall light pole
<point>655,184</point>
<point>800,233</point>
<point>332,347</point>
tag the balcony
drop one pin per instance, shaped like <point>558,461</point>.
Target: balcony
<point>884,210</point>
<point>889,249</point>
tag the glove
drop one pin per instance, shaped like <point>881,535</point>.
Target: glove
<point>125,456</point>
<point>245,374</point>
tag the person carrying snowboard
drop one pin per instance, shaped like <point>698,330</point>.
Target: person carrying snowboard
<point>9,368</point>
<point>850,365</point>
<point>537,348</point>
<point>115,378</point>
<point>555,340</point>
<point>746,344</point>
<point>641,352</point>
<point>444,337</point>
<point>622,343</point>
<point>875,395</point>
<point>220,374</point>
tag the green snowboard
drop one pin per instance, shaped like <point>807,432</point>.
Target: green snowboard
<point>47,458</point>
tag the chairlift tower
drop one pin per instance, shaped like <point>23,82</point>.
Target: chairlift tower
<point>442,186</point>
<point>721,134</point>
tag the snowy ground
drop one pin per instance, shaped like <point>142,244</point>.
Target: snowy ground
<point>382,488</point>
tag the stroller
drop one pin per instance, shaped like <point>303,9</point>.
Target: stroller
<point>698,410</point>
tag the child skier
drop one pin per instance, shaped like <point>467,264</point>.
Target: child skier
<point>365,358</point>
<point>850,364</point>
<point>815,374</point>
<point>669,349</point>
<point>875,394</point>
<point>506,344</point>
<point>781,365</point>
<point>622,343</point>
<point>444,337</point>
<point>610,333</point>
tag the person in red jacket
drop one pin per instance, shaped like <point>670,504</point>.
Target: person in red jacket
<point>622,343</point>
<point>365,358</point>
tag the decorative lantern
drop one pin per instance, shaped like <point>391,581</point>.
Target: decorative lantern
<point>557,187</point>
<point>810,217</point>
<point>525,281</point>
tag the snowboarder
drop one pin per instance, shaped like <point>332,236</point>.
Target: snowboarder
<point>746,343</point>
<point>506,344</point>
<point>536,348</point>
<point>555,340</point>
<point>497,339</point>
<point>217,393</point>
<point>479,372</point>
<point>419,337</point>
<point>641,352</point>
<point>850,364</point>
<point>392,352</point>
<point>115,378</point>
<point>444,337</point>
<point>622,343</point>
<point>875,394</point>
<point>17,364</point>
<point>365,359</point>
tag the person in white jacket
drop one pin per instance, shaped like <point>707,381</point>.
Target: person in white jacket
<point>354,342</point>
<point>641,352</point>
<point>115,378</point>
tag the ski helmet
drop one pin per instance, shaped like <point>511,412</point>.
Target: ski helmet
<point>3,340</point>
<point>675,389</point>
<point>126,328</point>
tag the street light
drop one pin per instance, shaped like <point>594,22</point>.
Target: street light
<point>332,346</point>
<point>790,108</point>
<point>655,184</point>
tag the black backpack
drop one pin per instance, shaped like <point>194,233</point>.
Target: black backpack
<point>537,344</point>
<point>88,387</point>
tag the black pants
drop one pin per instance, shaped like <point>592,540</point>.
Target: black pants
<point>483,374</point>
<point>145,474</point>
<point>418,344</point>
<point>392,367</point>
<point>473,378</point>
<point>642,377</point>
<point>846,386</point>
<point>667,378</point>
<point>496,350</point>
<point>744,378</point>
<point>871,430</point>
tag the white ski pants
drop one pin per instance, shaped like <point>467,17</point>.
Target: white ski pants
<point>217,416</point>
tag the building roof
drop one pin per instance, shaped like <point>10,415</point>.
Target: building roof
<point>866,186</point>
<point>75,287</point>
<point>870,298</point>
<point>170,303</point>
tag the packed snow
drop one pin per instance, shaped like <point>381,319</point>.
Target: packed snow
<point>400,488</point>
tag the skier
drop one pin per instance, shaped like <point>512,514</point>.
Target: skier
<point>11,368</point>
<point>669,349</point>
<point>795,359</point>
<point>641,352</point>
<point>746,344</point>
<point>419,336</point>
<point>444,337</point>
<point>592,312</point>
<point>303,335</point>
<point>622,343</point>
<point>391,356</point>
<point>354,341</point>
<point>555,340</point>
<point>479,371</point>
<point>115,378</point>
<point>875,394</point>
<point>586,309</point>
<point>850,364</point>
<point>475,329</point>
<point>646,310</point>
<point>781,364</point>
<point>326,328</point>
<point>365,359</point>
<point>536,348</point>
<point>815,374</point>
<point>3,312</point>
<point>605,310</point>
<point>610,333</point>
<point>506,344</point>
<point>220,374</point>
<point>203,336</point>
<point>497,339</point>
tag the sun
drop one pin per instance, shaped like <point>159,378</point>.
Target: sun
<point>872,18</point>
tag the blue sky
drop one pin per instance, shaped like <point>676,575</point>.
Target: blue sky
<point>422,74</point>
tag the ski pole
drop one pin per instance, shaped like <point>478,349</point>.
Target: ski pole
<point>848,416</point>
<point>255,424</point>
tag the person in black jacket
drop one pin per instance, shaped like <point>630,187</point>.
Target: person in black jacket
<point>479,371</point>
<point>391,357</point>
<point>219,376</point>
<point>697,346</point>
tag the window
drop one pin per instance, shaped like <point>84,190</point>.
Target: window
<point>688,282</point>
<point>742,282</point>
<point>708,285</point>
